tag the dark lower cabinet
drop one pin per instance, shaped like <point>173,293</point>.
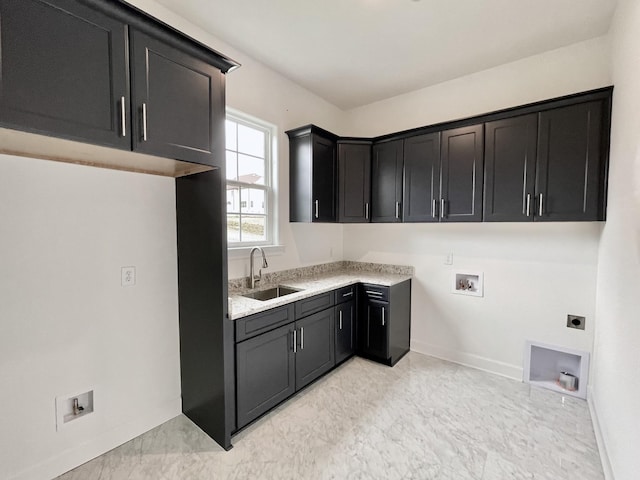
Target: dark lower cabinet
<point>462,171</point>
<point>354,181</point>
<point>510,166</point>
<point>345,330</point>
<point>386,182</point>
<point>384,322</point>
<point>571,165</point>
<point>266,372</point>
<point>375,329</point>
<point>64,71</point>
<point>315,352</point>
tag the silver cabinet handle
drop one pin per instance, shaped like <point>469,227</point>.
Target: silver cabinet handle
<point>366,211</point>
<point>317,205</point>
<point>123,117</point>
<point>347,294</point>
<point>541,206</point>
<point>371,292</point>
<point>301,338</point>
<point>383,316</point>
<point>443,204</point>
<point>340,319</point>
<point>433,208</point>
<point>528,204</point>
<point>295,341</point>
<point>144,122</point>
<point>397,209</point>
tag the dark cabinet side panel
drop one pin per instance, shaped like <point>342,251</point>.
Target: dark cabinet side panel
<point>422,178</point>
<point>66,74</point>
<point>354,182</point>
<point>462,172</point>
<point>386,182</point>
<point>510,156</point>
<point>300,179</point>
<point>568,183</point>
<point>324,176</point>
<point>174,100</point>
<point>265,373</point>
<point>316,353</point>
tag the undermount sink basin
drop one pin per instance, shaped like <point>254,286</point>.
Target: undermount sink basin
<point>271,293</point>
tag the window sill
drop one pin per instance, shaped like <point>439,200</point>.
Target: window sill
<point>243,252</point>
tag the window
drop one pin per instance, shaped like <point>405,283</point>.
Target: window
<point>249,185</point>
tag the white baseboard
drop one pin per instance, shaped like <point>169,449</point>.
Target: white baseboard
<point>602,449</point>
<point>469,360</point>
<point>72,458</point>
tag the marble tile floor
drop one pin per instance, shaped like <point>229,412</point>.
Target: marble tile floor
<point>422,419</point>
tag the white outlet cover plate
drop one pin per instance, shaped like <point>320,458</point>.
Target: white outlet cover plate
<point>128,276</point>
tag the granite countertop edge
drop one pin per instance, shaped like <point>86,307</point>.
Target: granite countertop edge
<point>240,307</point>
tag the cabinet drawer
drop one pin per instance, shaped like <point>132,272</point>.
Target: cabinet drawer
<point>375,292</point>
<point>262,322</point>
<point>345,294</point>
<point>314,304</point>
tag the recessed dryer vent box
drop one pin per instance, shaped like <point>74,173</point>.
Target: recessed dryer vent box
<point>468,283</point>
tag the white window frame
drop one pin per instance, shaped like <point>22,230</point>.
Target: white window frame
<point>270,186</point>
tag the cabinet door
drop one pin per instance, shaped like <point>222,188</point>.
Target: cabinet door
<point>509,180</point>
<point>265,372</point>
<point>386,182</point>
<point>316,354</point>
<point>323,179</point>
<point>177,102</point>
<point>374,331</point>
<point>345,330</point>
<point>354,182</point>
<point>462,170</point>
<point>64,71</point>
<point>569,184</point>
<point>422,178</point>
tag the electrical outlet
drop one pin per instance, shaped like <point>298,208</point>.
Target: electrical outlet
<point>449,259</point>
<point>128,276</point>
<point>575,321</point>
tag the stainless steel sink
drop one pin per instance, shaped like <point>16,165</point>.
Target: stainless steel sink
<point>271,293</point>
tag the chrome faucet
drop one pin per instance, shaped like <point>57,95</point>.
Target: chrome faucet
<point>253,279</point>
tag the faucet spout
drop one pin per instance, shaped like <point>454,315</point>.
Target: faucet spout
<point>253,278</point>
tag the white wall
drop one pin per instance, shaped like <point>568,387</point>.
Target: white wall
<point>535,274</point>
<point>259,91</point>
<point>616,385</point>
<point>66,323</point>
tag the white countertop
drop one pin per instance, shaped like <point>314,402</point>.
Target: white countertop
<point>311,285</point>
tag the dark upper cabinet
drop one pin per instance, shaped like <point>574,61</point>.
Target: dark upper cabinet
<point>510,165</point>
<point>570,177</point>
<point>354,181</point>
<point>462,172</point>
<point>422,178</point>
<point>386,182</point>
<point>312,175</point>
<point>265,376</point>
<point>64,71</point>
<point>175,98</point>
<point>345,330</point>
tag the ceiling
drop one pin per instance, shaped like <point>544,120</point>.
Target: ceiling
<point>355,52</point>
